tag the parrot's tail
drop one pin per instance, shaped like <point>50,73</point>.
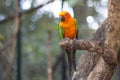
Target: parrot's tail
<point>71,62</point>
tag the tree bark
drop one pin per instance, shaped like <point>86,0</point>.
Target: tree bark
<point>103,51</point>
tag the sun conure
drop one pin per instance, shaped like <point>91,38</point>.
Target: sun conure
<point>68,29</point>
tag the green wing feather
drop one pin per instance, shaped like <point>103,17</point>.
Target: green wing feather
<point>61,32</point>
<point>77,27</point>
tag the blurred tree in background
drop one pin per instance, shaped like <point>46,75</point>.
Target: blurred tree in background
<point>37,23</point>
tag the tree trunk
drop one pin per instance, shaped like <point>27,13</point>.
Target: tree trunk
<point>100,65</point>
<point>49,69</point>
<point>102,68</point>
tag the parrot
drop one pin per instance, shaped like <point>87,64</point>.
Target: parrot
<point>68,28</point>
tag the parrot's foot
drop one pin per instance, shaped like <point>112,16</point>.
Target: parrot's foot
<point>67,38</point>
<point>74,38</point>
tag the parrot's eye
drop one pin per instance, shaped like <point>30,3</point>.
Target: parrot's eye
<point>62,19</point>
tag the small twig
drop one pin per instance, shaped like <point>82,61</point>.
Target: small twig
<point>10,17</point>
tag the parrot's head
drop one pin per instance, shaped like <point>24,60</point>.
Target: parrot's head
<point>64,16</point>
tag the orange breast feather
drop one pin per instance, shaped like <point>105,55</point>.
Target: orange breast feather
<point>69,29</point>
<point>70,32</point>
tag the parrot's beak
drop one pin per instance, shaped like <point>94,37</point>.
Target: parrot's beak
<point>62,18</point>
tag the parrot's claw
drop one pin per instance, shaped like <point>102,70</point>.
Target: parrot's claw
<point>74,38</point>
<point>67,38</point>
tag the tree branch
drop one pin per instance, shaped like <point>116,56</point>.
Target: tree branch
<point>81,45</point>
<point>23,13</point>
<point>107,53</point>
<point>9,42</point>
